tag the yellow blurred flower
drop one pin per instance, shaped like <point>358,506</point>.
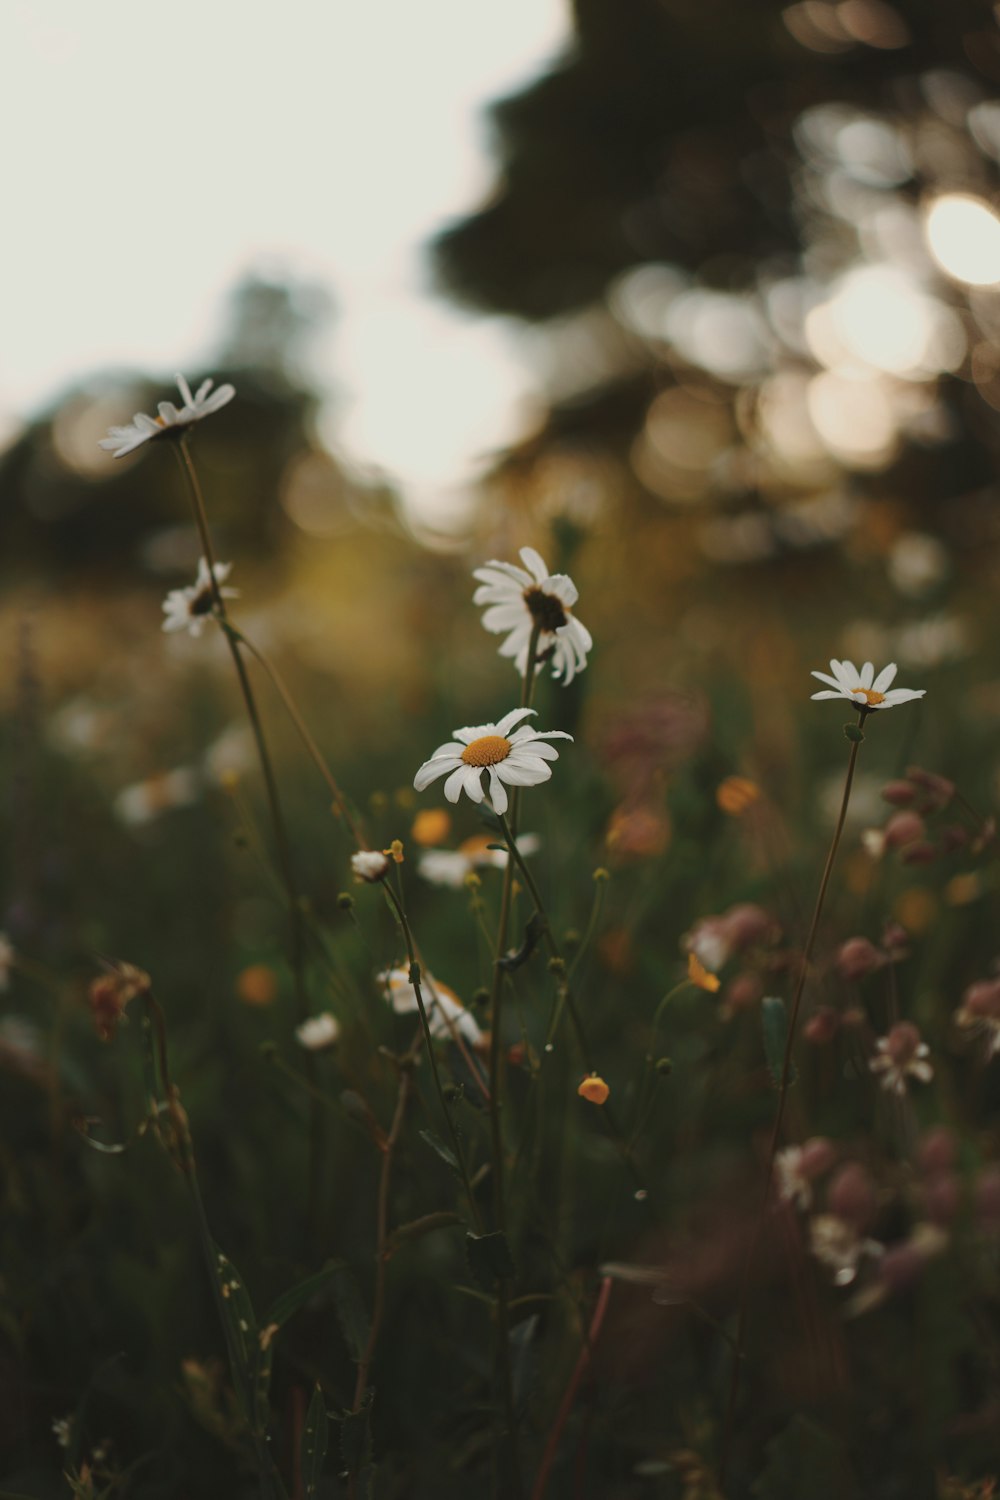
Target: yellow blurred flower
<point>915,909</point>
<point>702,977</point>
<point>257,985</point>
<point>431,826</point>
<point>736,795</point>
<point>642,832</point>
<point>594,1090</point>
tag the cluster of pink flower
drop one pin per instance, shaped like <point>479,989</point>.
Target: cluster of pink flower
<point>918,797</point>
<point>854,1204</point>
<point>748,933</point>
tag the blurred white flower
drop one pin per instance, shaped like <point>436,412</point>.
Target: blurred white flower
<point>188,609</point>
<point>145,800</point>
<point>446,1015</point>
<point>917,563</point>
<point>230,754</point>
<point>170,418</point>
<point>516,756</point>
<point>838,1245</point>
<point>860,688</point>
<point>519,600</point>
<point>449,867</point>
<point>370,865</point>
<point>318,1033</point>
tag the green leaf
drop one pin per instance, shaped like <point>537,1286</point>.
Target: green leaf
<point>853,733</point>
<point>489,1258</point>
<point>352,1315</point>
<point>416,1228</point>
<point>806,1460</point>
<point>356,1436</point>
<point>315,1441</point>
<point>297,1296</point>
<point>445,1152</point>
<point>240,1327</point>
<point>774,1023</point>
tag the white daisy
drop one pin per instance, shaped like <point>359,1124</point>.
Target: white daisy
<point>450,866</point>
<point>171,418</point>
<point>864,688</point>
<point>518,758</point>
<point>520,600</point>
<point>369,865</point>
<point>446,1015</point>
<point>318,1033</point>
<point>188,609</point>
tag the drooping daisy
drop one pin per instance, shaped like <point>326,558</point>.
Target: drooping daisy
<point>518,757</point>
<point>449,867</point>
<point>519,600</point>
<point>188,609</point>
<point>170,418</point>
<point>864,688</point>
<point>370,866</point>
<point>446,1015</point>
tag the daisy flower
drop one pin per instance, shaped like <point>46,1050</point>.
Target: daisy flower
<point>188,609</point>
<point>518,757</point>
<point>901,1055</point>
<point>864,688</point>
<point>446,1015</point>
<point>519,600</point>
<point>370,866</point>
<point>170,418</point>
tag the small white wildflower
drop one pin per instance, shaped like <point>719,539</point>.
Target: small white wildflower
<point>318,1033</point>
<point>370,865</point>
<point>516,756</point>
<point>61,1427</point>
<point>901,1055</point>
<point>864,688</point>
<point>519,600</point>
<point>170,418</point>
<point>838,1245</point>
<point>793,1185</point>
<point>144,801</point>
<point>446,1015</point>
<point>188,609</point>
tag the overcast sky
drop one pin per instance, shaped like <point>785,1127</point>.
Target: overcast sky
<point>155,153</point>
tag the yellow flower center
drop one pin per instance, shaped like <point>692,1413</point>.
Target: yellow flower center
<point>488,750</point>
<point>871,695</point>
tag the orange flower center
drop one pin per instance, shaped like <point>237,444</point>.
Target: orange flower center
<point>871,695</point>
<point>488,750</point>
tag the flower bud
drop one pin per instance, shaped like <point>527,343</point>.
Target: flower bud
<point>816,1157</point>
<point>937,1150</point>
<point>903,828</point>
<point>921,853</point>
<point>743,992</point>
<point>938,790</point>
<point>857,958</point>
<point>981,1000</point>
<point>852,1197</point>
<point>942,1198</point>
<point>370,866</point>
<point>898,793</point>
<point>822,1026</point>
<point>594,1090</point>
<point>746,924</point>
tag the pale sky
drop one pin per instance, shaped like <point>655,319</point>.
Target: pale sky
<point>155,153</point>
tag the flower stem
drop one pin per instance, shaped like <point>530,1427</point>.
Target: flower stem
<point>295,916</point>
<point>783,1087</point>
<point>456,1142</point>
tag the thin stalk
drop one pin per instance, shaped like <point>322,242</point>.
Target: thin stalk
<point>181,1149</point>
<point>381,1238</point>
<point>318,758</point>
<point>503,1367</point>
<point>786,1072</point>
<point>456,1142</point>
<point>566,1405</point>
<point>295,916</point>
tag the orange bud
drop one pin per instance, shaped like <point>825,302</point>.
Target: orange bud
<point>699,975</point>
<point>257,985</point>
<point>594,1090</point>
<point>431,826</point>
<point>736,794</point>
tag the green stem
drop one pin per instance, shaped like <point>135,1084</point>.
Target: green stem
<point>281,840</point>
<point>786,1073</point>
<point>456,1142</point>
